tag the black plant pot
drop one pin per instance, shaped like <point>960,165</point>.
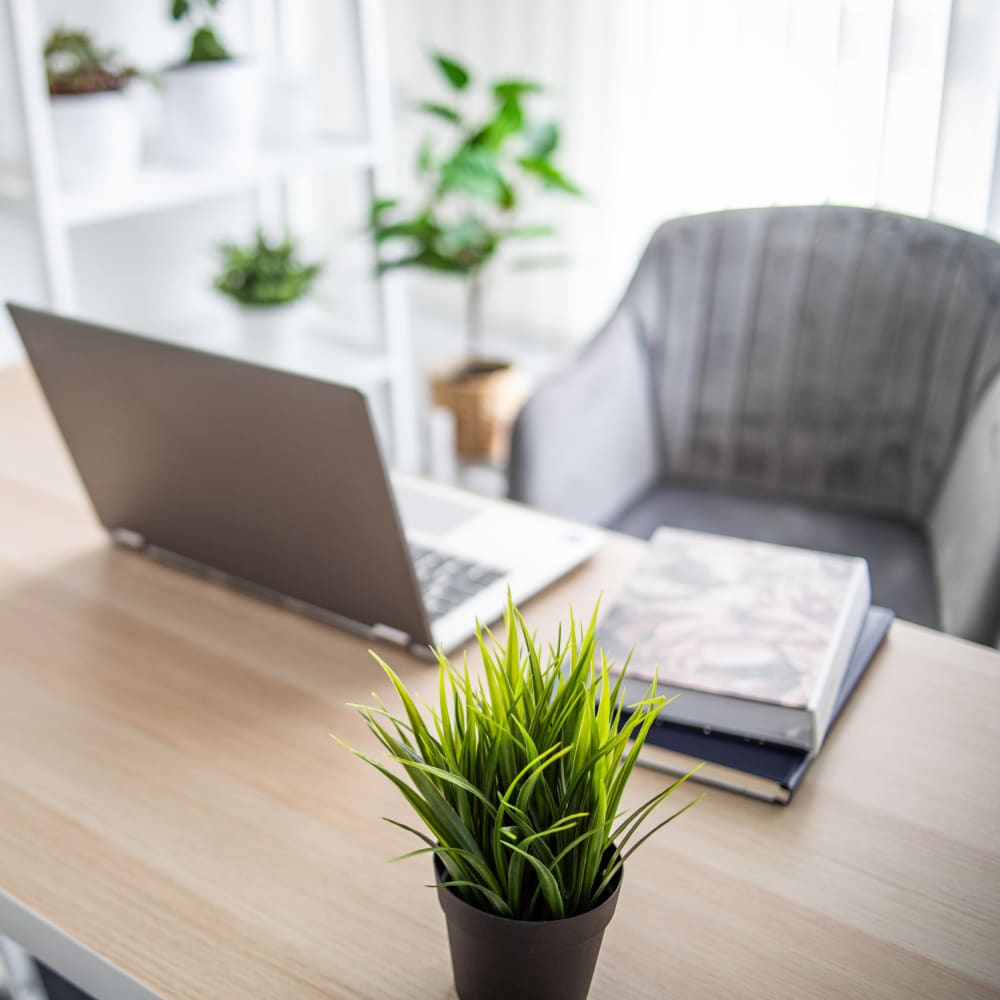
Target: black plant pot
<point>495,958</point>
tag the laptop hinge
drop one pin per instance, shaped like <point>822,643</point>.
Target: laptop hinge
<point>394,635</point>
<point>127,537</point>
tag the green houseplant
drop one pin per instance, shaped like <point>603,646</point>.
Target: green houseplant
<point>206,46</point>
<point>266,279</point>
<point>517,774</point>
<point>96,132</point>
<point>210,96</point>
<point>476,181</point>
<point>75,65</point>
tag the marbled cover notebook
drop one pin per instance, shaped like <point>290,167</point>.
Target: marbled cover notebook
<point>743,621</point>
<point>763,770</point>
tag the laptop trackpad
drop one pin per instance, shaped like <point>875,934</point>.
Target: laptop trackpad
<point>432,513</point>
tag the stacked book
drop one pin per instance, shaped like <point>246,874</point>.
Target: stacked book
<point>759,646</point>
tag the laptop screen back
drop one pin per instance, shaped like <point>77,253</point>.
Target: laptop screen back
<point>269,477</point>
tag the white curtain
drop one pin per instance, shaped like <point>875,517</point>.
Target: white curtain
<point>676,106</point>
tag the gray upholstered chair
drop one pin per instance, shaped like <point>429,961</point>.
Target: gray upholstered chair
<point>816,376</point>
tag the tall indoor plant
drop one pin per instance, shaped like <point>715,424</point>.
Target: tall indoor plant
<point>517,774</point>
<point>210,99</point>
<point>475,182</point>
<point>96,131</point>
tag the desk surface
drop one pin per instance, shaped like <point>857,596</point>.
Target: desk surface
<point>171,806</point>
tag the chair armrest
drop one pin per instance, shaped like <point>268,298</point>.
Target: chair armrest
<point>964,527</point>
<point>586,444</point>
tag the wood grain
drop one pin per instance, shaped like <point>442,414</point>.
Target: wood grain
<point>170,797</point>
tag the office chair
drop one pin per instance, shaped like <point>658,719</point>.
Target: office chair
<point>819,376</point>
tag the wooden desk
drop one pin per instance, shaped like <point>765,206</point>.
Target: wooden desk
<point>171,806</point>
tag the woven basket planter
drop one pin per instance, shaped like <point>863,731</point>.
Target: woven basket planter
<point>485,396</point>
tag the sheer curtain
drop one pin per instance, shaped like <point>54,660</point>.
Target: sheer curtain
<point>676,106</point>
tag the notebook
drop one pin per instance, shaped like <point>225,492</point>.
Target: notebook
<point>756,637</point>
<point>274,483</point>
<point>762,770</point>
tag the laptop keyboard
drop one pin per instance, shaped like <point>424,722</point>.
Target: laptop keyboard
<point>447,581</point>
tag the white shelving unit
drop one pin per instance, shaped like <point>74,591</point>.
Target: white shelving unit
<point>158,187</point>
<point>34,187</point>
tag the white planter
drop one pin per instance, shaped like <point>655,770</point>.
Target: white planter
<point>265,326</point>
<point>97,137</point>
<point>210,112</point>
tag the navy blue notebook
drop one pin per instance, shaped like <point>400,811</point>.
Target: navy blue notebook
<point>763,770</point>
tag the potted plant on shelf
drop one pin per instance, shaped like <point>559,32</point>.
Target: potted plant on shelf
<point>518,776</point>
<point>267,280</point>
<point>95,128</point>
<point>210,98</point>
<point>474,187</point>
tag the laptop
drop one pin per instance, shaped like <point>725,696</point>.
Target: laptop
<point>274,483</point>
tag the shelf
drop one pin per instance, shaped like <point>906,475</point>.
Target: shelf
<point>161,186</point>
<point>318,349</point>
<point>14,184</point>
<point>310,348</point>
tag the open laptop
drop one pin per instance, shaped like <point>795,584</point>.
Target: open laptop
<point>274,483</point>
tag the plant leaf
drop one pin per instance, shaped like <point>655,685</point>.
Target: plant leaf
<point>453,71</point>
<point>474,171</point>
<point>425,156</point>
<point>380,206</point>
<point>546,882</point>
<point>499,904</point>
<point>440,111</point>
<point>505,90</point>
<point>507,121</point>
<point>543,140</point>
<point>550,177</point>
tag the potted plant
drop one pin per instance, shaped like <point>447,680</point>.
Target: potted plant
<point>517,775</point>
<point>474,187</point>
<point>210,98</point>
<point>267,280</point>
<point>94,124</point>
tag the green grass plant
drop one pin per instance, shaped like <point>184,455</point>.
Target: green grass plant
<point>518,771</point>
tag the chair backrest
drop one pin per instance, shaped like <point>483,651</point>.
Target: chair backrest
<point>824,351</point>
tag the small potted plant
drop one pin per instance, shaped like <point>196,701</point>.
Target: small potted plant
<point>517,775</point>
<point>96,131</point>
<point>267,280</point>
<point>475,185</point>
<point>210,98</point>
